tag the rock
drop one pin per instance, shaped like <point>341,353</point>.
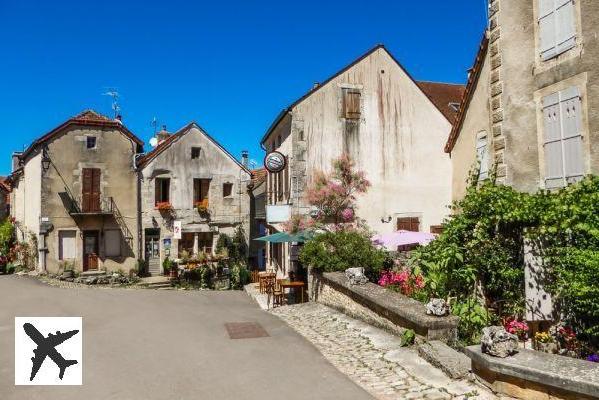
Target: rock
<point>437,307</point>
<point>497,342</point>
<point>356,276</point>
<point>92,280</point>
<point>69,279</point>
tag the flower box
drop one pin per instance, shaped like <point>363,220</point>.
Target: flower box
<point>164,206</point>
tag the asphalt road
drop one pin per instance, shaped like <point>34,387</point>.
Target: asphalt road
<point>153,344</point>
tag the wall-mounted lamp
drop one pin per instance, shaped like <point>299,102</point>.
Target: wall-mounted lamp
<point>45,159</point>
<point>386,220</point>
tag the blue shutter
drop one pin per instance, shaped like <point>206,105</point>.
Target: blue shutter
<point>554,166</point>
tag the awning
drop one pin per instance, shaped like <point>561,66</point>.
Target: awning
<point>391,241</point>
<point>284,237</point>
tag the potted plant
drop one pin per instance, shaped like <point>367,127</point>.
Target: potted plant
<point>202,207</point>
<point>166,266</point>
<point>164,206</point>
<point>545,343</point>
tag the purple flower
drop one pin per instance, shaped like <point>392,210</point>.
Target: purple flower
<point>593,358</point>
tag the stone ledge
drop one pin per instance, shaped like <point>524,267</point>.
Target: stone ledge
<point>454,364</point>
<point>400,310</point>
<point>565,376</point>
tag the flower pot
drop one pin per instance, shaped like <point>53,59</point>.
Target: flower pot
<point>550,348</point>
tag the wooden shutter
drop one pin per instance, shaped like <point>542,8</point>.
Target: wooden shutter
<point>408,224</point>
<point>557,27</point>
<point>547,28</point>
<point>91,190</point>
<point>482,156</point>
<point>351,103</point>
<point>570,107</point>
<point>554,168</point>
<point>565,30</point>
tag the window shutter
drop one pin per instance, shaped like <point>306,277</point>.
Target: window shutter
<point>547,28</point>
<point>554,175</point>
<point>565,25</point>
<point>570,106</point>
<point>482,156</point>
<point>351,103</point>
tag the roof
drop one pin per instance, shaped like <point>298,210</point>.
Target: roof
<point>443,95</point>
<point>4,184</point>
<point>314,89</point>
<point>165,144</point>
<point>259,176</point>
<point>468,93</point>
<point>85,118</point>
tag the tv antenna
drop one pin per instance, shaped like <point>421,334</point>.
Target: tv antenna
<point>154,124</point>
<point>116,108</point>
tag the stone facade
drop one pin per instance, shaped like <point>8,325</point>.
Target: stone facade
<point>91,224</point>
<point>197,169</point>
<point>519,79</point>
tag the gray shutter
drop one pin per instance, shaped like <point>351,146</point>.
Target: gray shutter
<point>547,28</point>
<point>554,167</point>
<point>565,25</point>
<point>571,112</point>
<point>482,156</point>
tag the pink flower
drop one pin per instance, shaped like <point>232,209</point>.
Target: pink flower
<point>347,214</point>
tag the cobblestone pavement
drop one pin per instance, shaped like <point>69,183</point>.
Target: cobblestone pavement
<point>373,358</point>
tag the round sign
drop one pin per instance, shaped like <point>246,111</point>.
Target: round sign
<point>274,162</point>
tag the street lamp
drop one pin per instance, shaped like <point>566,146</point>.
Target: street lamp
<point>45,159</point>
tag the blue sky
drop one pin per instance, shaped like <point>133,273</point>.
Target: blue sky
<point>229,65</point>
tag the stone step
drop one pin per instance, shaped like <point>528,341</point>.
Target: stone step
<point>87,274</point>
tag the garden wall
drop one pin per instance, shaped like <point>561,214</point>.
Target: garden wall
<point>532,374</point>
<point>377,306</point>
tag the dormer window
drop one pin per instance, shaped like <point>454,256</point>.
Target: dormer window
<point>91,142</point>
<point>195,153</point>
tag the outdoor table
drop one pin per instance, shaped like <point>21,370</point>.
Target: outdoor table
<point>294,285</point>
<point>262,276</point>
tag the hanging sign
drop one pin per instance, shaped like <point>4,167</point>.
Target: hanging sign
<point>177,229</point>
<point>274,162</point>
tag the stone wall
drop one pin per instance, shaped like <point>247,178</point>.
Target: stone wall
<point>379,307</point>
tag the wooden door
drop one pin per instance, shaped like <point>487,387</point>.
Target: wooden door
<point>91,190</point>
<point>90,250</point>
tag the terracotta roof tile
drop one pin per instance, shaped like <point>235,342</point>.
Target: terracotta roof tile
<point>259,176</point>
<point>443,95</point>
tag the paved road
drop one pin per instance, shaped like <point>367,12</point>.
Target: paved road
<point>145,344</point>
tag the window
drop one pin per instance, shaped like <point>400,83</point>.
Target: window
<point>562,120</point>
<point>67,245</point>
<point>205,242</point>
<point>482,156</point>
<point>351,103</point>
<point>557,28</point>
<point>227,189</point>
<point>408,224</point>
<point>91,142</point>
<point>195,153</point>
<point>162,190</point>
<point>201,188</point>
<point>186,242</point>
<point>112,243</point>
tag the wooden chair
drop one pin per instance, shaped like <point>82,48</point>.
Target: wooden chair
<point>279,294</point>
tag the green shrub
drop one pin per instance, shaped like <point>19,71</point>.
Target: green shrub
<point>240,276</point>
<point>407,338</point>
<point>337,251</point>
<point>167,264</point>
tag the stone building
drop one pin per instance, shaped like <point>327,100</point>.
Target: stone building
<point>191,180</point>
<point>257,258</point>
<point>529,108</point>
<point>4,198</point>
<point>392,126</point>
<point>75,195</point>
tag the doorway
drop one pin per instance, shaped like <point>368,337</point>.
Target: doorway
<point>90,250</point>
<point>152,250</point>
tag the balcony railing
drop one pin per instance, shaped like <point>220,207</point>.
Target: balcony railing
<point>92,205</point>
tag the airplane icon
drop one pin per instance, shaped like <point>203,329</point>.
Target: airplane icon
<point>46,347</point>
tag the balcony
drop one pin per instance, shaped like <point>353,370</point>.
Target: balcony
<point>92,205</point>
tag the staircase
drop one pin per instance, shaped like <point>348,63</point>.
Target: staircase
<point>154,266</point>
<point>121,223</point>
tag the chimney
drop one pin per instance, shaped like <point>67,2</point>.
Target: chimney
<point>119,118</point>
<point>244,158</point>
<point>315,85</point>
<point>163,134</point>
<point>16,161</point>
